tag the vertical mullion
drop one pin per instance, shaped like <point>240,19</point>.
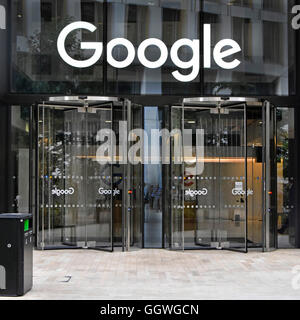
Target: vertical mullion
<point>219,172</point>
<point>43,179</point>
<point>246,178</point>
<point>129,183</point>
<point>85,169</point>
<point>264,174</point>
<point>275,177</point>
<point>124,184</point>
<point>143,183</point>
<point>182,185</point>
<point>30,161</point>
<point>105,37</point>
<point>171,184</point>
<point>267,222</point>
<point>201,28</point>
<point>111,181</point>
<point>37,176</point>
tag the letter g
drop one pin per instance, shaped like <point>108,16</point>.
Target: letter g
<point>97,46</point>
<point>148,309</point>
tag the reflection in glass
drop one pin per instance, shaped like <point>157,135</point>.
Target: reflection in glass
<point>19,159</point>
<point>176,183</point>
<point>82,202</point>
<point>153,188</point>
<point>255,178</point>
<point>36,65</point>
<point>140,20</point>
<point>262,30</point>
<point>286,185</point>
<point>75,198</point>
<point>217,205</point>
<point>136,218</point>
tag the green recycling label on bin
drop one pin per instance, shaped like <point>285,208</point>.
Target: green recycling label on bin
<point>26,225</point>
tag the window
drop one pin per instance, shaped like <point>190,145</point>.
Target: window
<point>267,49</point>
<point>273,5</point>
<point>273,42</point>
<point>46,12</point>
<point>286,184</point>
<point>36,65</point>
<point>260,28</point>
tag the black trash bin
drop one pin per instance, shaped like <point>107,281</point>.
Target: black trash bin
<point>16,248</point>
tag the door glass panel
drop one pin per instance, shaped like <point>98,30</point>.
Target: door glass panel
<point>118,182</point>
<point>255,179</point>
<point>75,190</point>
<point>233,182</point>
<point>201,179</point>
<point>214,197</point>
<point>177,201</point>
<point>153,188</point>
<point>71,175</point>
<point>99,190</point>
<point>137,183</point>
<point>61,191</point>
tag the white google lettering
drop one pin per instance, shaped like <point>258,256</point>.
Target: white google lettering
<point>2,18</point>
<point>163,53</point>
<point>239,192</point>
<point>108,191</point>
<point>219,54</point>
<point>59,192</point>
<point>194,62</point>
<point>130,53</point>
<point>193,193</point>
<point>296,18</point>
<point>97,46</point>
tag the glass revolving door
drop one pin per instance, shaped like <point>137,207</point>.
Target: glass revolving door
<point>223,189</point>
<point>82,193</point>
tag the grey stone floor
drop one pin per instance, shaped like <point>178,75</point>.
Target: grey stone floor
<point>163,274</point>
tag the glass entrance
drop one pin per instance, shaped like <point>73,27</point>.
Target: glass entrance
<point>82,199</point>
<point>218,197</point>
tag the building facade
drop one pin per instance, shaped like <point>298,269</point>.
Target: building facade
<point>220,76</point>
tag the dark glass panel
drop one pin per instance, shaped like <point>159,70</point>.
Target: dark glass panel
<point>36,65</point>
<point>267,47</point>
<point>286,182</point>
<point>140,20</point>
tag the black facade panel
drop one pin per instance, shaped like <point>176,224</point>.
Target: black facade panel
<point>4,52</point>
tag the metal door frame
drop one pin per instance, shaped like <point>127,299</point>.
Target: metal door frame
<point>244,108</point>
<point>269,212</point>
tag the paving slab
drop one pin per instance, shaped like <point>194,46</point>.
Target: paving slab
<point>163,274</point>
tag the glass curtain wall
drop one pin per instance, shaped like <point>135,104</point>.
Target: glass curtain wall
<point>137,20</point>
<point>261,28</point>
<point>18,166</point>
<point>135,176</point>
<point>153,181</point>
<point>35,63</point>
<point>268,47</point>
